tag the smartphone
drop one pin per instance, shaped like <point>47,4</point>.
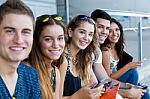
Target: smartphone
<point>97,85</point>
<point>106,84</point>
<point>144,87</point>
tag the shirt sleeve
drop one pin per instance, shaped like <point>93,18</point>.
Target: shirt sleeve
<point>99,60</point>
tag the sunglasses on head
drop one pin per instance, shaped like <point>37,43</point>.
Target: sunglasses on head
<point>46,18</point>
<point>85,18</point>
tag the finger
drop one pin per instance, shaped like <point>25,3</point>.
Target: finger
<point>98,90</point>
<point>96,94</point>
<point>101,86</point>
<point>91,85</point>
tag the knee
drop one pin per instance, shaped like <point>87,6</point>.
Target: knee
<point>146,95</point>
<point>134,72</point>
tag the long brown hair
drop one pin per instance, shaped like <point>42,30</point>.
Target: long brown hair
<point>82,66</point>
<point>37,59</point>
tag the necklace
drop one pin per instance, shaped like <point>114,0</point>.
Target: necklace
<point>74,59</point>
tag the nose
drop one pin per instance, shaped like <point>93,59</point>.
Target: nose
<point>114,32</point>
<point>104,31</point>
<point>18,38</point>
<point>55,44</point>
<point>86,36</point>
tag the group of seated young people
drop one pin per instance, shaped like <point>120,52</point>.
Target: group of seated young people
<point>54,61</point>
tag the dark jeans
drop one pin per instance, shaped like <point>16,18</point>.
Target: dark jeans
<point>146,95</point>
<point>131,76</point>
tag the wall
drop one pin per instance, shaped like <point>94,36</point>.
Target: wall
<point>41,6</point>
<point>87,6</point>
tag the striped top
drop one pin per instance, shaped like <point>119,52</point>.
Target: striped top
<point>27,86</point>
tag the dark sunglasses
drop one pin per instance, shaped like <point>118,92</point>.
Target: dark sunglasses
<point>46,18</point>
<point>85,18</point>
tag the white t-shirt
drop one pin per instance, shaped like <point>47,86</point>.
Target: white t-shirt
<point>99,60</point>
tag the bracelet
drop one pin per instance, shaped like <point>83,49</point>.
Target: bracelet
<point>126,86</point>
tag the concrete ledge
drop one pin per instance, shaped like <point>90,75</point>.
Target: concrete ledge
<point>144,71</point>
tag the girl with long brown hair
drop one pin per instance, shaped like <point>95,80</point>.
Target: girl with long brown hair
<point>80,52</point>
<point>47,50</point>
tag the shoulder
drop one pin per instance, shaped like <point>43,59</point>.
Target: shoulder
<point>99,60</point>
<point>28,78</point>
<point>105,55</point>
<point>64,64</point>
<point>106,48</point>
<point>105,51</point>
<point>99,51</point>
<point>26,67</point>
<point>63,68</point>
<point>27,70</point>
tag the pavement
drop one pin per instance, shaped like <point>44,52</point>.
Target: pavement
<point>144,75</point>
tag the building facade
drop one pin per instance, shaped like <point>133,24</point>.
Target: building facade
<point>40,7</point>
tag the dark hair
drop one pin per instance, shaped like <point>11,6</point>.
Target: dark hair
<point>120,44</point>
<point>98,13</point>
<point>36,58</point>
<point>16,7</point>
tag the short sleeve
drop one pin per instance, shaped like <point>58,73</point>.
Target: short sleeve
<point>99,60</point>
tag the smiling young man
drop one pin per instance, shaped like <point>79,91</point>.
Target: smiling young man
<point>16,36</point>
<point>102,20</point>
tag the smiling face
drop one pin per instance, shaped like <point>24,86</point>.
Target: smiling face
<point>102,28</point>
<point>114,33</point>
<point>82,35</point>
<point>52,42</point>
<point>16,37</point>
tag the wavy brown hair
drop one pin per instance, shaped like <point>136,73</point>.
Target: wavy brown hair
<point>83,62</point>
<point>37,59</point>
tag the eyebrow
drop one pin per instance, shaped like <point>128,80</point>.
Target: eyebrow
<point>82,29</point>
<point>61,35</point>
<point>85,30</point>
<point>52,36</point>
<point>27,29</point>
<point>103,25</point>
<point>8,27</point>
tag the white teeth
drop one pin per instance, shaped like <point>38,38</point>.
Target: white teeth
<point>54,50</point>
<point>102,36</point>
<point>83,42</point>
<point>114,37</point>
<point>17,49</point>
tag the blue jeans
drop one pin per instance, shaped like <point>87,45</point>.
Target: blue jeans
<point>131,76</point>
<point>146,95</point>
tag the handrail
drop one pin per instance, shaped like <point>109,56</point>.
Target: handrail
<point>133,29</point>
<point>127,13</point>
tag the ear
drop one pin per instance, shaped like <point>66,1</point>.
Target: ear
<point>70,32</point>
